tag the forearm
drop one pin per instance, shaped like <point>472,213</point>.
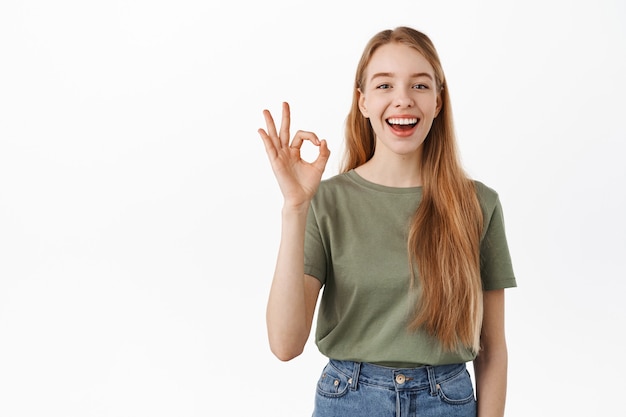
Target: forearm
<point>287,324</point>
<point>490,370</point>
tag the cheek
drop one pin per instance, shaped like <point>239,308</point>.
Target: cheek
<point>374,108</point>
<point>431,107</point>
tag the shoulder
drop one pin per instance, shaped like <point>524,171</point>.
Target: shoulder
<point>485,193</point>
<point>487,197</point>
<point>336,193</point>
<point>333,185</point>
<point>337,180</point>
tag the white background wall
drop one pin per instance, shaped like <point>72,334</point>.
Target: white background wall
<point>139,218</point>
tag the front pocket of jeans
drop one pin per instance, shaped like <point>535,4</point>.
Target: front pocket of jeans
<point>332,383</point>
<point>457,390</point>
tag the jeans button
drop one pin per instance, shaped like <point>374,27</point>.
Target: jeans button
<point>400,379</point>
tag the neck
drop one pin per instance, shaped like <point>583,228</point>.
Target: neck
<point>393,170</point>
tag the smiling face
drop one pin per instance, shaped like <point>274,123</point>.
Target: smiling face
<point>400,97</point>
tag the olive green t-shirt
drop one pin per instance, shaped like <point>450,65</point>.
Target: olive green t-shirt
<point>356,245</point>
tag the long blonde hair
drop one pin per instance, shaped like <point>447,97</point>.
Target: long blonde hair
<point>444,234</point>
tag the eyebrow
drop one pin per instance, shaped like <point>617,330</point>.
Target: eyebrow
<point>391,74</point>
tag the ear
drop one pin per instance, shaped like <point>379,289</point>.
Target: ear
<point>362,106</point>
<point>439,103</point>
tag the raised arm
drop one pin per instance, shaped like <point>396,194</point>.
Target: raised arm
<point>293,295</point>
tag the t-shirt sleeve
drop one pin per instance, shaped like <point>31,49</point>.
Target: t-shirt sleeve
<point>314,253</point>
<point>495,260</point>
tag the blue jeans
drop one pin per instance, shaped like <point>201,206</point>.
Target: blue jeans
<point>351,389</point>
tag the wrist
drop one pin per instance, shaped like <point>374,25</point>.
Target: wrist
<point>296,209</point>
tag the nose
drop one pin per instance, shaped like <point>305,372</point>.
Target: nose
<point>403,99</point>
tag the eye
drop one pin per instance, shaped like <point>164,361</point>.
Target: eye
<point>383,87</point>
<point>420,87</point>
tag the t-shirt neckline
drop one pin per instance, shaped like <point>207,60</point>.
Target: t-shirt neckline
<point>354,176</point>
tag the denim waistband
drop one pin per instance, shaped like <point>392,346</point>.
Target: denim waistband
<point>397,378</point>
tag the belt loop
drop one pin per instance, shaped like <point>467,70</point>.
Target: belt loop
<point>355,376</point>
<point>432,380</point>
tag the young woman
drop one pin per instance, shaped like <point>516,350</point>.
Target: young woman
<point>410,252</point>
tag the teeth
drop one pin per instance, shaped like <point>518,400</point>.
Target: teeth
<point>402,121</point>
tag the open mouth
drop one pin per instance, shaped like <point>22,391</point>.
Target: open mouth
<point>402,124</point>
